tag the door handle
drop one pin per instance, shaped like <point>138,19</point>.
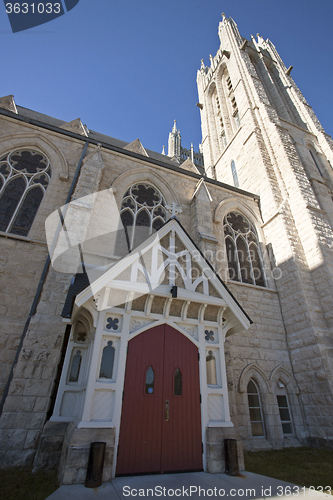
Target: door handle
<point>166,410</point>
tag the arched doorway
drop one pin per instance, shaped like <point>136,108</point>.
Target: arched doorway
<point>160,427</point>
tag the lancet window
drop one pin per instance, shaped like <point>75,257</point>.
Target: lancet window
<point>232,98</point>
<point>243,251</point>
<point>254,402</point>
<point>24,177</point>
<point>282,400</point>
<point>319,167</point>
<point>234,174</point>
<point>142,213</point>
<point>107,362</point>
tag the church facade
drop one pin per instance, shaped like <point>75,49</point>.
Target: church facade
<point>162,304</point>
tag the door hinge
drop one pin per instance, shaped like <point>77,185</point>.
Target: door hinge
<point>123,395</point>
<point>201,447</point>
<point>198,356</point>
<point>200,398</point>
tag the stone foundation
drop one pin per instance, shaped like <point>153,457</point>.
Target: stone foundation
<point>75,453</point>
<point>50,446</point>
<point>215,448</point>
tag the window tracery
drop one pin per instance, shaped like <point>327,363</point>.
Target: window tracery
<point>24,177</point>
<point>142,212</point>
<point>243,251</point>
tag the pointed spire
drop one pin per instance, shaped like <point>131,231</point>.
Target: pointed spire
<point>174,142</point>
<point>163,151</point>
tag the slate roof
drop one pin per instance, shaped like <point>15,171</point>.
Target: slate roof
<point>96,136</point>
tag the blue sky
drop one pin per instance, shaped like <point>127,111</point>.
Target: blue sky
<point>128,68</point>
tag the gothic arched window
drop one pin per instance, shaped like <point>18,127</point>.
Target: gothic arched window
<point>243,251</point>
<point>254,402</point>
<point>282,400</point>
<point>142,212</point>
<point>24,177</point>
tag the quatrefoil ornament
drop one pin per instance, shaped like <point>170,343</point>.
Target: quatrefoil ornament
<point>81,337</point>
<point>209,335</point>
<point>112,324</point>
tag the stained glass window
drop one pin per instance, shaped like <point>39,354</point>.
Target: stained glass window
<point>142,212</point>
<point>178,383</point>
<point>24,177</point>
<point>255,409</point>
<point>242,249</point>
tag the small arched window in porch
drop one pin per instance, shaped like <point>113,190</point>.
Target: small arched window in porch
<point>243,251</point>
<point>75,368</point>
<point>255,409</point>
<point>24,177</point>
<point>211,369</point>
<point>142,212</point>
<point>106,370</point>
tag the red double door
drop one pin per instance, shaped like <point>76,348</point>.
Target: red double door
<point>160,427</point>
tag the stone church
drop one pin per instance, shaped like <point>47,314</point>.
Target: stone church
<point>162,303</point>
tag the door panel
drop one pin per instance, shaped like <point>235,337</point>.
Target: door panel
<point>140,430</point>
<point>148,442</point>
<point>181,441</point>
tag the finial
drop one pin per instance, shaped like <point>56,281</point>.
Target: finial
<point>163,150</point>
<point>223,16</point>
<point>258,35</point>
<point>202,64</point>
<point>174,128</point>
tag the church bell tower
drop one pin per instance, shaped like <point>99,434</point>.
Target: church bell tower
<point>259,134</point>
